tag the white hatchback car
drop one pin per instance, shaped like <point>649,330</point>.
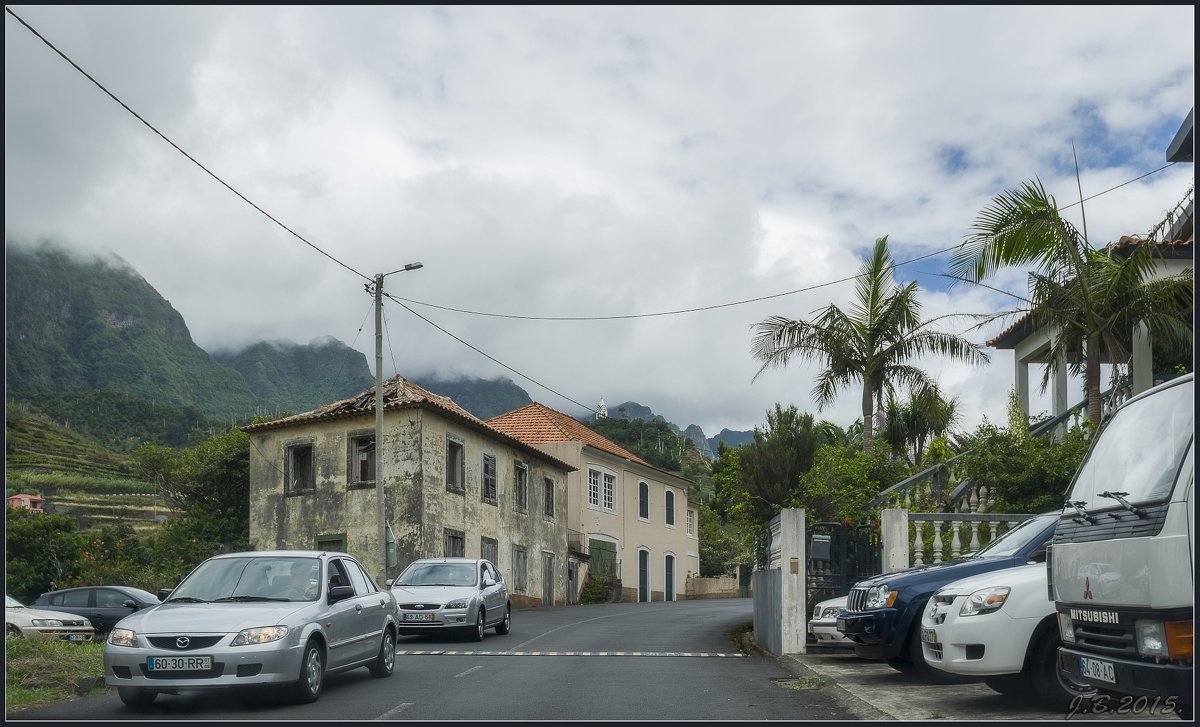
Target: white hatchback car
<point>1001,626</point>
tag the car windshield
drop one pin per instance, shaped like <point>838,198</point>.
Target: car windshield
<point>10,602</point>
<point>438,574</point>
<point>250,578</point>
<point>1014,540</point>
<point>1140,450</point>
<point>141,595</point>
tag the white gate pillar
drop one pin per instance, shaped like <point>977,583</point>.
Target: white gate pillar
<point>893,527</point>
<point>794,606</point>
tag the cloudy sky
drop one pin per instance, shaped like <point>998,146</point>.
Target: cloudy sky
<point>581,163</point>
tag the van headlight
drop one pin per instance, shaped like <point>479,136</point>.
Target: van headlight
<point>880,597</point>
<point>1065,630</point>
<point>986,600</point>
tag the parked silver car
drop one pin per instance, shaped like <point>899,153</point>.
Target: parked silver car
<point>260,618</point>
<point>467,595</point>
<point>23,622</point>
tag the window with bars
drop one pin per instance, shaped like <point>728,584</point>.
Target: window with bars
<point>487,488</point>
<point>691,522</point>
<point>520,487</point>
<point>548,497</point>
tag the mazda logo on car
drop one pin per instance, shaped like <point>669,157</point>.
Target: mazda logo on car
<point>182,642</point>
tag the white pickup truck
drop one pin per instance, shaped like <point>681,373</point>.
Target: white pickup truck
<point>1001,626</point>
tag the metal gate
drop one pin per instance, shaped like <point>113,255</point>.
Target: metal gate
<point>840,555</point>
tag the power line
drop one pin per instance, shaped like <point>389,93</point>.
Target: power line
<point>176,146</point>
<point>488,356</point>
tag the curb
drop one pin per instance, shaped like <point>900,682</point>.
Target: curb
<point>856,706</point>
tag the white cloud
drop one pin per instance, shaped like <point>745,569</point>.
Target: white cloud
<point>578,161</point>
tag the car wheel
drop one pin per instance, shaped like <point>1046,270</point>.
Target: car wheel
<point>12,632</point>
<point>916,656</point>
<point>477,633</point>
<point>505,626</point>
<point>386,661</point>
<point>1052,687</point>
<point>312,674</point>
<point>136,697</point>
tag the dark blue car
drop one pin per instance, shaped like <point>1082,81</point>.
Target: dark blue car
<point>883,616</point>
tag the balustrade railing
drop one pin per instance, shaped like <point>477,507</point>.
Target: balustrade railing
<point>935,537</point>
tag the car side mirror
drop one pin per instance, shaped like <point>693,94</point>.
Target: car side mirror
<point>340,593</point>
<point>163,593</point>
<point>129,603</point>
<point>488,582</point>
<point>390,581</point>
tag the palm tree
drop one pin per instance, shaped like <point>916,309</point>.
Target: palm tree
<point>911,423</point>
<point>1092,297</point>
<point>872,342</point>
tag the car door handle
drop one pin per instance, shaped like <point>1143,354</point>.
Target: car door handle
<point>358,607</point>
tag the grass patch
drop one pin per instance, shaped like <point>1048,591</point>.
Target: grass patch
<point>37,673</point>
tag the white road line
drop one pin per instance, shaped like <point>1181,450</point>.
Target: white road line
<point>394,711</point>
<point>468,671</point>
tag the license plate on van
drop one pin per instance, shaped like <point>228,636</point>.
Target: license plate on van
<point>1096,669</point>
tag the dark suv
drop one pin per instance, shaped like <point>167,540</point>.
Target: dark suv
<point>883,613</point>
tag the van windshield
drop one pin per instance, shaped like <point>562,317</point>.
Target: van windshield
<point>1140,450</point>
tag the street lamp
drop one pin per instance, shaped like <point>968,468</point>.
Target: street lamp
<point>379,414</point>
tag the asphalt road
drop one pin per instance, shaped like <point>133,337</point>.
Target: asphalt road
<point>651,661</point>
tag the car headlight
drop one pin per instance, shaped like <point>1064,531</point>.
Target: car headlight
<point>881,597</point>
<point>1065,630</point>
<point>259,635</point>
<point>46,622</point>
<point>457,603</point>
<point>986,600</point>
<point>1151,638</point>
<point>123,637</point>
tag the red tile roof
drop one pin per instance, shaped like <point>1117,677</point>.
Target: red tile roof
<point>399,394</point>
<point>539,424</point>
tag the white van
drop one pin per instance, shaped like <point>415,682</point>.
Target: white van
<point>1121,565</point>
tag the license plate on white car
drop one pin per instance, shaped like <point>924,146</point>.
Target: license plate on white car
<point>178,663</point>
<point>1096,669</point>
<point>418,617</point>
<point>929,636</point>
<point>76,637</point>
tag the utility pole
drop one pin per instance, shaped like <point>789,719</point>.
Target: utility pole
<point>382,517</point>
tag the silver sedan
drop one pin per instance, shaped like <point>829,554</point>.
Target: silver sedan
<point>261,618</point>
<point>466,595</point>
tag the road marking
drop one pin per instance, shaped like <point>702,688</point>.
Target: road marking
<point>443,653</point>
<point>468,671</point>
<point>394,710</point>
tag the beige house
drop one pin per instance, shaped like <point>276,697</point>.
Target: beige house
<point>453,486</point>
<point>632,525</point>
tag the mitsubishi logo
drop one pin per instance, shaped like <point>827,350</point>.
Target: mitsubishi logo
<point>1087,588</point>
<point>182,642</point>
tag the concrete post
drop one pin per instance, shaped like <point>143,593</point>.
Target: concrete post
<point>893,529</point>
<point>794,606</point>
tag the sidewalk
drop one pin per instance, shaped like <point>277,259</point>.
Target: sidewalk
<point>872,690</point>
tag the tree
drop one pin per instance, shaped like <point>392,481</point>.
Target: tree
<point>842,481</point>
<point>211,482</point>
<point>1092,298</point>
<point>41,551</point>
<point>719,546</point>
<point>769,468</point>
<point>910,423</point>
<point>871,343</point>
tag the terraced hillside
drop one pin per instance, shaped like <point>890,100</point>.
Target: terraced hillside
<point>76,475</point>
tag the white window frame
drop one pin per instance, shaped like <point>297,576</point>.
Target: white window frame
<point>691,523</point>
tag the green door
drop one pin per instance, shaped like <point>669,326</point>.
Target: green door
<point>643,576</point>
<point>669,574</point>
